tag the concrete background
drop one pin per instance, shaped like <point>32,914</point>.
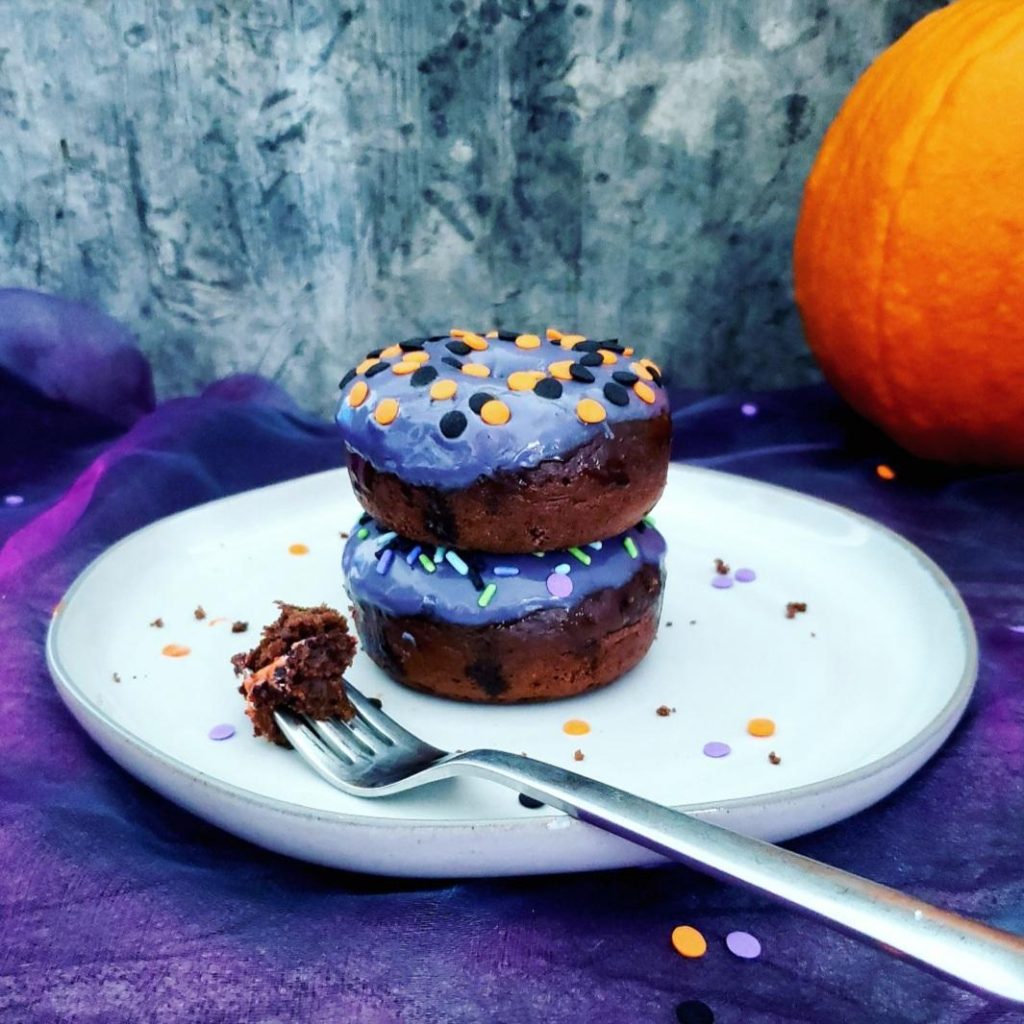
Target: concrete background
<point>278,186</point>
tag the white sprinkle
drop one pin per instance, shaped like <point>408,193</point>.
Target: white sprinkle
<point>385,537</point>
<point>563,568</point>
<point>596,545</point>
<point>456,563</point>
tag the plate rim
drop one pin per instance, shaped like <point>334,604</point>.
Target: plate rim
<point>951,711</point>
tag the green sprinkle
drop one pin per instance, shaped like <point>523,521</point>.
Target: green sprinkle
<point>363,533</point>
<point>630,547</point>
<point>648,520</point>
<point>485,598</point>
<point>581,555</point>
<point>427,564</point>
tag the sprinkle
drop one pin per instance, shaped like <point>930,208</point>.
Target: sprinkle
<point>427,564</point>
<point>375,354</point>
<point>571,340</point>
<point>365,518</point>
<point>298,549</point>
<point>630,545</point>
<point>748,409</point>
<point>644,392</point>
<point>717,749</point>
<point>485,598</point>
<point>374,370</point>
<point>478,400</point>
<point>561,369</point>
<point>616,393</point>
<point>451,361</point>
<point>689,942</point>
<point>607,357</point>
<point>648,520</point>
<point>721,568</point>
<point>413,555</point>
<point>423,376</point>
<point>474,341</point>
<point>412,345</point>
<point>385,538</point>
<point>347,379</point>
<point>694,1011</point>
<point>1017,629</point>
<point>505,570</point>
<point>564,568</point>
<point>721,582</point>
<point>458,332</point>
<point>552,334</point>
<point>537,554</point>
<point>453,423</point>
<point>885,472</point>
<point>761,727</point>
<point>508,335</point>
<point>559,585</point>
<point>596,545</point>
<point>176,651</point>
<point>529,801</point>
<point>580,373</point>
<point>548,388</point>
<point>390,351</point>
<point>362,534</point>
<point>625,378</point>
<point>442,389</point>
<point>580,556</point>
<point>358,394</point>
<point>743,945</point>
<point>385,560</point>
<point>627,351</point>
<point>475,370</point>
<point>524,380</point>
<point>745,575</point>
<point>475,578</point>
<point>492,335</point>
<point>576,727</point>
<point>527,341</point>
<point>641,371</point>
<point>589,359</point>
<point>439,554</point>
<point>590,411</point>
<point>495,413</point>
<point>13,500</point>
<point>404,368</point>
<point>458,348</point>
<point>457,563</point>
<point>221,732</point>
<point>386,411</point>
<point>418,356</point>
<point>366,364</point>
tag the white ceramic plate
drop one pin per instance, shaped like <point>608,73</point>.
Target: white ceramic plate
<point>863,687</point>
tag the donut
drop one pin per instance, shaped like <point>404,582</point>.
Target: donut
<point>507,442</point>
<point>501,628</point>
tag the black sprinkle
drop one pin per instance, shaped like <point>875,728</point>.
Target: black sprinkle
<point>611,346</point>
<point>475,578</point>
<point>529,801</point>
<point>376,702</point>
<point>375,354</point>
<point>591,359</point>
<point>625,377</point>
<point>548,388</point>
<point>387,544</point>
<point>377,368</point>
<point>588,346</point>
<point>365,518</point>
<point>347,379</point>
<point>616,393</point>
<point>423,376</point>
<point>655,375</point>
<point>693,1011</point>
<point>555,341</point>
<point>640,527</point>
<point>580,373</point>
<point>507,335</point>
<point>451,361</point>
<point>478,400</point>
<point>412,345</point>
<point>453,423</point>
<point>458,348</point>
<point>438,337</point>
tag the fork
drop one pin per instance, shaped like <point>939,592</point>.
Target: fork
<point>371,755</point>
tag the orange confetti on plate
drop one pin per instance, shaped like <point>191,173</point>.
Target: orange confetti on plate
<point>176,651</point>
<point>885,472</point>
<point>689,942</point>
<point>576,727</point>
<point>298,549</point>
<point>761,727</point>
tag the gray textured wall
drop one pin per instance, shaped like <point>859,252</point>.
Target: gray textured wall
<point>274,187</point>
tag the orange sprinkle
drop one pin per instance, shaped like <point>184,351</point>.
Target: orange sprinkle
<point>298,549</point>
<point>571,340</point>
<point>386,411</point>
<point>458,332</point>
<point>403,368</point>
<point>761,727</point>
<point>418,356</point>
<point>651,365</point>
<point>475,370</point>
<point>576,727</point>
<point>176,651</point>
<point>358,394</point>
<point>561,370</point>
<point>366,364</point>
<point>391,351</point>
<point>627,351</point>
<point>885,472</point>
<point>641,371</point>
<point>442,389</point>
<point>590,411</point>
<point>524,380</point>
<point>608,357</point>
<point>495,413</point>
<point>689,942</point>
<point>217,621</point>
<point>527,341</point>
<point>491,334</point>
<point>474,341</point>
<point>552,334</point>
<point>644,392</point>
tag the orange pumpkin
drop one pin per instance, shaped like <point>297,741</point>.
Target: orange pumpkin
<point>909,254</point>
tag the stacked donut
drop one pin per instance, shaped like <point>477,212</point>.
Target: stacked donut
<point>506,553</point>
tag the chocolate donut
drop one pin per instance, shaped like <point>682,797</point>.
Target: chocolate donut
<point>504,629</point>
<point>506,442</point>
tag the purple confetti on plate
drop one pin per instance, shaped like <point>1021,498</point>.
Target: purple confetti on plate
<point>721,582</point>
<point>745,575</point>
<point>559,585</point>
<point>224,731</point>
<point>13,500</point>
<point>748,409</point>
<point>717,749</point>
<point>743,945</point>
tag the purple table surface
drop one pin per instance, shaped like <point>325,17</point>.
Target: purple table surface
<point>118,906</point>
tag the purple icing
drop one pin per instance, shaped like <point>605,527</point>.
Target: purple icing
<point>720,582</point>
<point>414,448</point>
<point>409,590</point>
<point>717,749</point>
<point>745,575</point>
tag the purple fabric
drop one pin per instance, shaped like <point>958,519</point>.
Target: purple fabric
<point>116,906</point>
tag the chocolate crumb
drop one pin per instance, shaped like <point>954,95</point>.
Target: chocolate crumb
<point>664,711</point>
<point>343,535</point>
<point>157,623</point>
<point>669,623</point>
<point>200,612</point>
<point>116,677</point>
<point>693,622</point>
<point>795,606</point>
<point>376,702</point>
<point>239,627</point>
<point>721,567</point>
<point>774,758</point>
<point>577,755</point>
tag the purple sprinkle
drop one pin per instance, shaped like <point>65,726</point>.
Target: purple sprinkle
<point>745,575</point>
<point>505,570</point>
<point>748,409</point>
<point>721,582</point>
<point>13,500</point>
<point>410,558</point>
<point>559,585</point>
<point>1017,629</point>
<point>221,732</point>
<point>385,560</point>
<point>717,749</point>
<point>743,945</point>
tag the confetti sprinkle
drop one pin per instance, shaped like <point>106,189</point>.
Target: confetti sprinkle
<point>717,749</point>
<point>693,1011</point>
<point>885,472</point>
<point>616,393</point>
<point>423,376</point>
<point>13,500</point>
<point>495,413</point>
<point>298,549</point>
<point>475,370</point>
<point>530,802</point>
<point>365,365</point>
<point>176,651</point>
<point>488,592</point>
<point>457,563</point>
<point>590,411</point>
<point>722,582</point>
<point>548,388</point>
<point>527,341</point>
<point>552,334</point>
<point>644,392</point>
<point>748,409</point>
<point>362,533</point>
<point>391,351</point>
<point>743,944</point>
<point>523,380</point>
<point>385,560</point>
<point>443,389</point>
<point>358,394</point>
<point>505,570</point>
<point>745,575</point>
<point>625,377</point>
<point>475,342</point>
<point>559,585</point>
<point>688,942</point>
<point>580,373</point>
<point>386,411</point>
<point>630,545</point>
<point>761,727</point>
<point>453,424</point>
<point>221,732</point>
<point>576,727</point>
<point>580,556</point>
<point>561,369</point>
<point>596,545</point>
<point>404,368</point>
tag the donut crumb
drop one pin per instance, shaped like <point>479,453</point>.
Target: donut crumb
<point>200,612</point>
<point>793,607</point>
<point>157,623</point>
<point>577,755</point>
<point>774,758</point>
<point>721,567</point>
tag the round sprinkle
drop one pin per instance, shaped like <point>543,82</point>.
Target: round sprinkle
<point>527,341</point>
<point>608,357</point>
<point>492,335</point>
<point>13,500</point>
<point>412,345</point>
<point>564,568</point>
<point>453,423</point>
<point>423,376</point>
<point>478,400</point>
<point>475,370</point>
<point>391,351</point>
<point>548,388</point>
<point>559,585</point>
<point>581,373</point>
<point>590,411</point>
<point>458,348</point>
<point>625,378</point>
<point>590,359</point>
<point>458,332</point>
<point>529,801</point>
<point>689,942</point>
<point>363,533</point>
<point>175,651</point>
<point>377,368</point>
<point>386,411</point>
<point>616,393</point>
<point>495,413</point>
<point>416,356</point>
<point>561,369</point>
<point>641,371</point>
<point>644,392</point>
<point>474,341</point>
<point>505,570</point>
<point>885,472</point>
<point>596,544</point>
<point>358,394</point>
<point>523,380</point>
<point>442,389</point>
<point>748,409</point>
<point>298,549</point>
<point>627,351</point>
<point>745,575</point>
<point>743,944</point>
<point>761,727</point>
<point>694,1011</point>
<point>717,749</point>
<point>721,582</point>
<point>552,334</point>
<point>485,597</point>
<point>404,368</point>
<point>366,364</point>
<point>576,726</point>
<point>224,731</point>
<point>571,340</point>
<point>451,361</point>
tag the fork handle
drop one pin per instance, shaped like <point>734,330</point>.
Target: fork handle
<point>982,957</point>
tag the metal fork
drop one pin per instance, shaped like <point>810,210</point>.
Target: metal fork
<point>373,756</point>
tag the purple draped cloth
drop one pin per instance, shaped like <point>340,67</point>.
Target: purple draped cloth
<point>117,906</point>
